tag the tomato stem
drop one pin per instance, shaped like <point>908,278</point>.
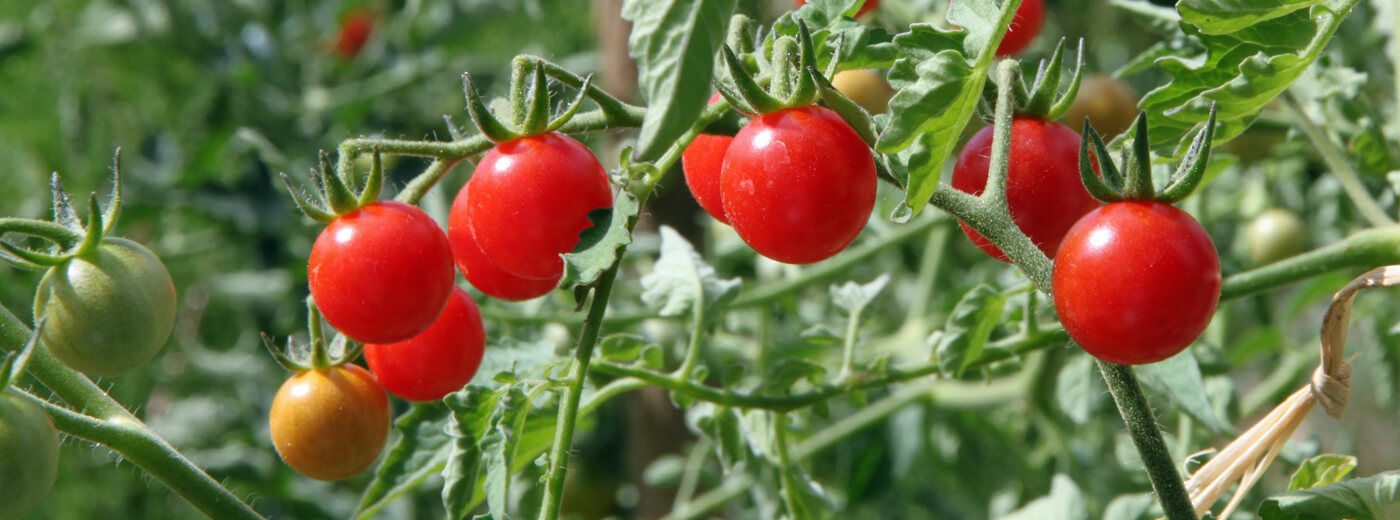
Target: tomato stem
<point>1337,162</point>
<point>106,422</point>
<point>569,403</point>
<point>1142,427</point>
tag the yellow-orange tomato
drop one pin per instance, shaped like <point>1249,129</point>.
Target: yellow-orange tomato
<point>866,87</point>
<point>330,424</point>
<point>1109,104</point>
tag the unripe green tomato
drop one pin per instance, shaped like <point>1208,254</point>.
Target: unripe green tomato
<point>108,311</point>
<point>28,455</point>
<point>866,87</point>
<point>1273,235</point>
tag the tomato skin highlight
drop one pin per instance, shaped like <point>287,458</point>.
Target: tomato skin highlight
<point>798,184</point>
<point>437,362</point>
<point>1043,190</point>
<point>865,8</point>
<point>1136,282</point>
<point>108,311</point>
<point>530,200</point>
<point>382,273</point>
<point>1025,26</point>
<point>330,424</point>
<point>28,455</point>
<point>479,271</point>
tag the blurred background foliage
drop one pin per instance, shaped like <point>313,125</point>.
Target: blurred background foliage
<point>211,100</point>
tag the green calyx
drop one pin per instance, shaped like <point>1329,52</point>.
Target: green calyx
<point>1135,180</point>
<point>66,234</point>
<point>337,192</point>
<point>787,72</point>
<point>1043,98</point>
<point>316,353</point>
<point>529,103</point>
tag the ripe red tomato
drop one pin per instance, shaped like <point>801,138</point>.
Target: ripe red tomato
<point>798,184</point>
<point>1043,190</point>
<point>1136,282</point>
<point>701,163</point>
<point>382,273</point>
<point>330,424</point>
<point>1024,28</point>
<point>865,8</point>
<point>531,198</point>
<point>437,362</point>
<point>354,32</point>
<point>478,270</point>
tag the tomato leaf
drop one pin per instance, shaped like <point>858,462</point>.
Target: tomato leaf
<point>499,447</point>
<point>1221,17</point>
<point>515,357</point>
<point>852,297</point>
<point>970,324</point>
<point>675,43</point>
<point>681,280</point>
<point>420,451</point>
<point>1371,498</point>
<point>1179,378</point>
<point>600,246</point>
<point>853,44</point>
<point>1257,56</point>
<point>621,347</point>
<point>471,414</point>
<point>1065,502</point>
<point>1079,391</point>
<point>1322,470</point>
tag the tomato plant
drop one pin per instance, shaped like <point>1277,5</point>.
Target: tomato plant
<point>531,198</point>
<point>479,270</point>
<point>382,273</point>
<point>436,362</point>
<point>28,455</point>
<point>1043,190</point>
<point>330,423</point>
<point>108,311</point>
<point>798,185</point>
<point>1136,282</point>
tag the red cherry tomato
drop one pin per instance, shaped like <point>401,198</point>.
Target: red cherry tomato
<point>798,184</point>
<point>701,162</point>
<point>1043,190</point>
<point>1025,26</point>
<point>1136,282</point>
<point>478,270</point>
<point>382,273</point>
<point>437,362</point>
<point>531,198</point>
<point>354,32</point>
<point>865,8</point>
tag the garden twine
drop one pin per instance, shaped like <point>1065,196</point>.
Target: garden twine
<point>1245,459</point>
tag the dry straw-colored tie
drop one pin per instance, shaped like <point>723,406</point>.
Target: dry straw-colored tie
<point>1245,459</point>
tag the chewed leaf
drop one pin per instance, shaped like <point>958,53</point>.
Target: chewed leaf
<point>600,246</point>
<point>419,453</point>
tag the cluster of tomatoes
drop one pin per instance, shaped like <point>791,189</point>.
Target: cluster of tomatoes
<point>424,338</point>
<point>1134,281</point>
